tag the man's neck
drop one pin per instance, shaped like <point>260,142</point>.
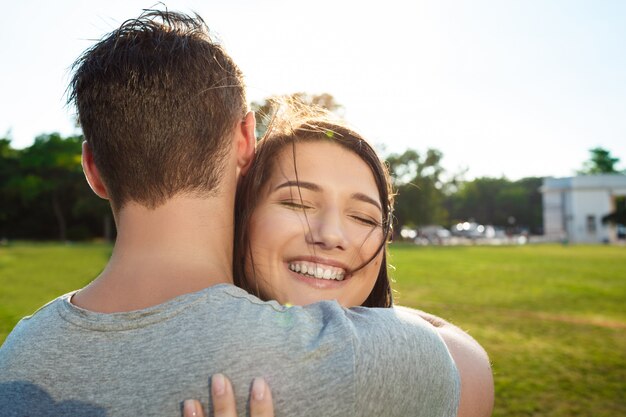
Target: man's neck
<point>180,247</point>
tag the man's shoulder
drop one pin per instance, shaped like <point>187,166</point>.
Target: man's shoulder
<point>45,317</point>
<point>22,345</point>
<point>326,319</point>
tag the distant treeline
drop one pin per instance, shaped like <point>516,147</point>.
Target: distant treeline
<point>428,195</point>
<point>44,194</point>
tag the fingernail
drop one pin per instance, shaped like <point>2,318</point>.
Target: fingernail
<point>191,408</point>
<point>218,385</point>
<point>258,389</point>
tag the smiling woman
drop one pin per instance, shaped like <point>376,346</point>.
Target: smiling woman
<point>312,219</point>
<point>313,216</point>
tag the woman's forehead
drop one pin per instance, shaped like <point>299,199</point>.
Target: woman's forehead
<point>321,149</point>
<point>324,163</point>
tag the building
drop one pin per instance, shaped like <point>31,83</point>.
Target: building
<point>573,207</point>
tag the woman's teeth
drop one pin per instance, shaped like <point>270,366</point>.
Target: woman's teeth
<point>317,271</point>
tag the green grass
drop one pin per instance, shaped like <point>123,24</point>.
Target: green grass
<point>32,274</point>
<point>552,318</point>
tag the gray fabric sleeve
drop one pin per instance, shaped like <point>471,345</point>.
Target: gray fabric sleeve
<point>418,377</point>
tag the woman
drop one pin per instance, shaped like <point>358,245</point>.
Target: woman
<point>313,215</point>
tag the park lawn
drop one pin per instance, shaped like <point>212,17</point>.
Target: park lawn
<point>551,317</point>
<point>32,274</point>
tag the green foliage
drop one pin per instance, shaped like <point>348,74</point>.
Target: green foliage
<point>479,198</point>
<point>9,169</point>
<point>499,202</point>
<point>44,191</point>
<point>618,216</point>
<point>419,186</point>
<point>550,317</point>
<point>600,162</point>
<point>6,152</point>
<point>425,198</point>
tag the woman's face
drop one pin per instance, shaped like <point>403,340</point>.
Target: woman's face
<point>309,234</point>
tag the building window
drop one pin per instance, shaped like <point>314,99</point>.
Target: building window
<point>591,224</point>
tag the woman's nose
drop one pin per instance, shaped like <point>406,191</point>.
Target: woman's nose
<point>327,231</point>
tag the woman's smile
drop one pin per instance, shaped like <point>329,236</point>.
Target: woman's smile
<point>317,280</point>
<point>317,270</point>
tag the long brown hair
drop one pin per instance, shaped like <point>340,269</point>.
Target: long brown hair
<point>304,124</point>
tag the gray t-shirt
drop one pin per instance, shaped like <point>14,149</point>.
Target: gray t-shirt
<point>319,360</point>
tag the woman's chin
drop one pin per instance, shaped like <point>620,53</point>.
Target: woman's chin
<point>308,290</point>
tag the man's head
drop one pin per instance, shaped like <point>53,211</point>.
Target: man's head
<point>158,102</point>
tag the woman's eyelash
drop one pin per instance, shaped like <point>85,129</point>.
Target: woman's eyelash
<point>366,220</point>
<point>295,205</point>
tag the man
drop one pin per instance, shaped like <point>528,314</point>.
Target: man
<point>168,134</point>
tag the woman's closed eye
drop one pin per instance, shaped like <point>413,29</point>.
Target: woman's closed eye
<point>366,220</point>
<point>295,204</point>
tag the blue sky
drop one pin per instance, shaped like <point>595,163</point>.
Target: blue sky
<point>514,88</point>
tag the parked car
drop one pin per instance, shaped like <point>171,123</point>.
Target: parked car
<point>432,235</point>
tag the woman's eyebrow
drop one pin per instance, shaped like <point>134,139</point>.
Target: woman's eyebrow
<point>366,199</point>
<point>314,187</point>
<point>301,184</point>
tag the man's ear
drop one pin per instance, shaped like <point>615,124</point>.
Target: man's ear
<point>92,174</point>
<point>246,143</point>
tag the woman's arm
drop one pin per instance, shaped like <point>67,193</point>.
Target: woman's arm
<point>477,390</point>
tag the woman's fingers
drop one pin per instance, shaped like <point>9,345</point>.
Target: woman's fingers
<point>223,397</point>
<point>192,408</point>
<point>261,399</point>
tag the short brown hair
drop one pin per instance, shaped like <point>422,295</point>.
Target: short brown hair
<point>158,101</point>
<point>302,124</point>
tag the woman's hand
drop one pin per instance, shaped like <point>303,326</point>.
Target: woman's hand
<point>224,404</point>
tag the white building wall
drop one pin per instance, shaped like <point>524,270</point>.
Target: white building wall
<point>568,213</point>
<point>555,210</point>
<point>573,207</point>
<point>553,216</point>
<point>589,206</point>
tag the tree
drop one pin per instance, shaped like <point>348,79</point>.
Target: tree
<point>420,189</point>
<point>499,202</point>
<point>477,200</point>
<point>50,169</point>
<point>265,109</point>
<point>618,216</point>
<point>9,169</point>
<point>44,193</point>
<point>92,210</point>
<point>600,162</point>
<point>530,215</point>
